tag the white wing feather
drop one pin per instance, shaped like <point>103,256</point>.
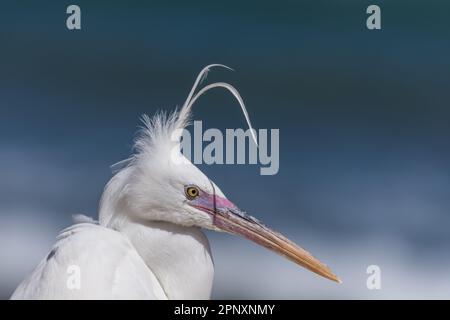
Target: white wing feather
<point>109,268</point>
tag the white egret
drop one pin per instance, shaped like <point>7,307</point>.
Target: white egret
<point>148,243</point>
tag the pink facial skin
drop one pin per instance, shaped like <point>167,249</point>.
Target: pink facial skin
<point>211,203</point>
<point>219,207</point>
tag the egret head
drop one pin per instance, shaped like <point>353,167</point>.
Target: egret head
<point>163,185</point>
<point>159,184</point>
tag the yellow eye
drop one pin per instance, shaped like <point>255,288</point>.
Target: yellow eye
<point>192,192</point>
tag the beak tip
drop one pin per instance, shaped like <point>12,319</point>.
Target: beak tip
<point>335,279</point>
<point>328,274</point>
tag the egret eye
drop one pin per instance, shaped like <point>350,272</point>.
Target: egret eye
<point>192,192</point>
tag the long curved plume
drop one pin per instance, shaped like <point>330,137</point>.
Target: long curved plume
<point>185,112</point>
<point>201,76</point>
<point>163,123</point>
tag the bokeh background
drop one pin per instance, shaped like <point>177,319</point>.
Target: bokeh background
<point>363,116</point>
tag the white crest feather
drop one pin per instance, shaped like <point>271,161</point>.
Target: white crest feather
<point>158,130</point>
<point>185,112</point>
<point>235,93</point>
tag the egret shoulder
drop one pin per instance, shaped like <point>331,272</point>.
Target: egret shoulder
<point>90,261</point>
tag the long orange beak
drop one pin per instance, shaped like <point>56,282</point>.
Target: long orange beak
<point>227,217</point>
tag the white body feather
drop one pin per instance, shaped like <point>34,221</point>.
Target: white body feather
<point>178,265</point>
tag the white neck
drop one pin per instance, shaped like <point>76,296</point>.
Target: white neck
<point>179,257</point>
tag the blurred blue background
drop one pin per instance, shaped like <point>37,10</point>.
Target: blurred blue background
<point>363,115</point>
